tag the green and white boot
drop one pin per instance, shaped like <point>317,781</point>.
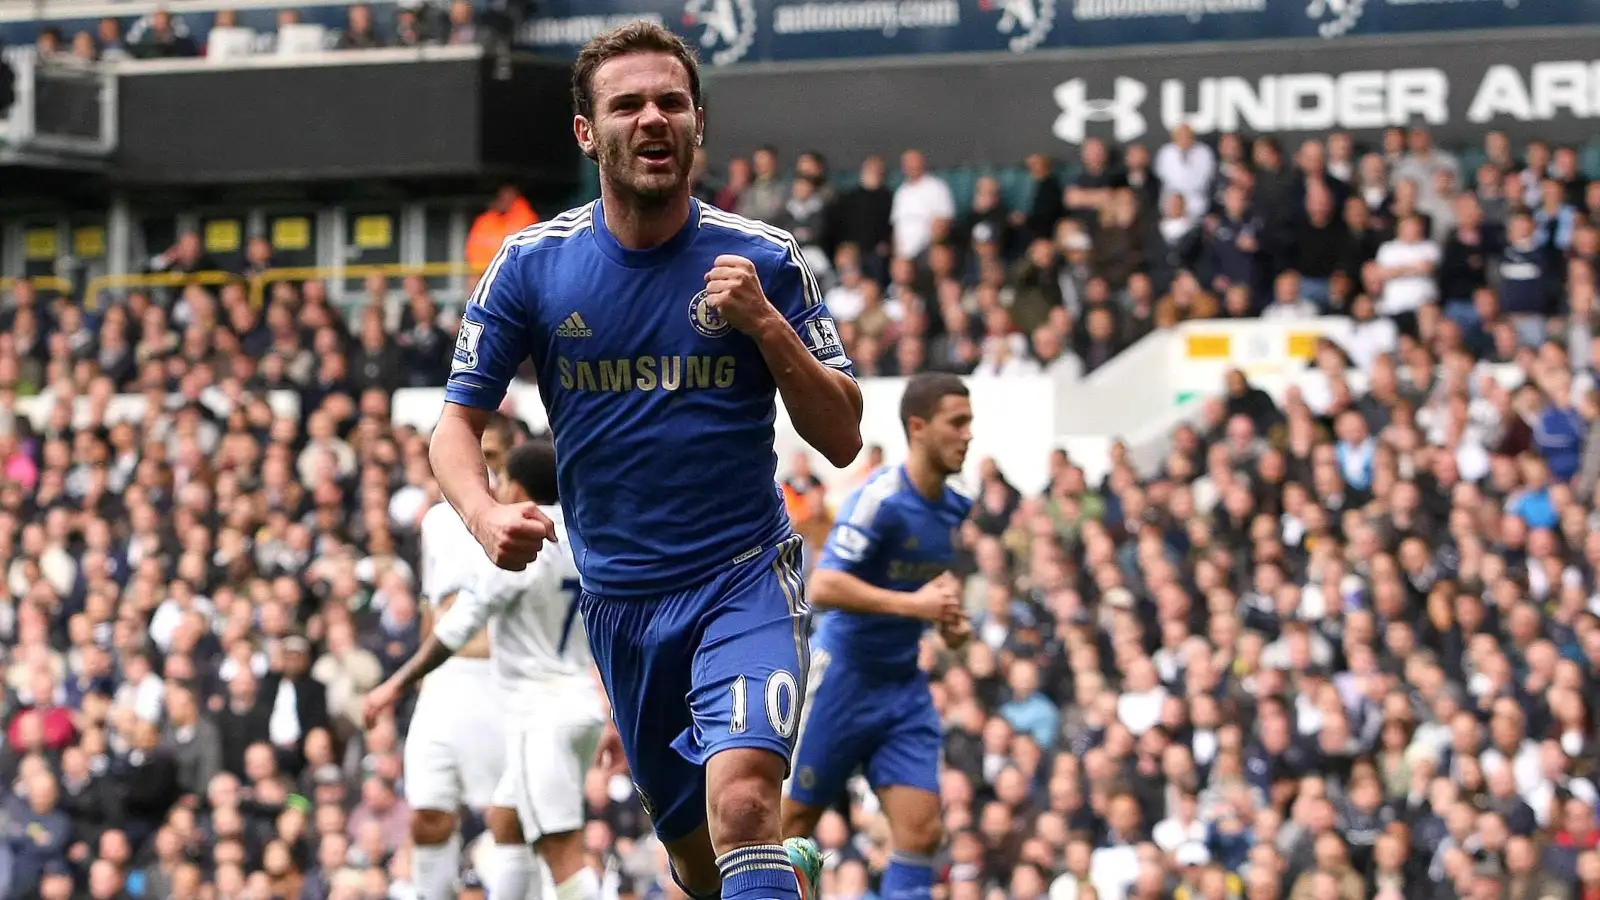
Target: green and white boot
<point>806,857</point>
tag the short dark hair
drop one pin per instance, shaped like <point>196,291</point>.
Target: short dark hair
<point>532,465</point>
<point>923,393</point>
<point>502,425</point>
<point>634,37</point>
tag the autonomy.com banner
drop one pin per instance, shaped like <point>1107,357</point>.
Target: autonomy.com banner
<point>730,32</point>
<point>735,31</point>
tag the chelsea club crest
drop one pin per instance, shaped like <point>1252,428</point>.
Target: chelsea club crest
<point>705,318</point>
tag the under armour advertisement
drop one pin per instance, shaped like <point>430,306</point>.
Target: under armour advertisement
<point>1529,84</point>
<point>741,32</point>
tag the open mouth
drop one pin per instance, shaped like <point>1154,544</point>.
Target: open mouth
<point>656,153</point>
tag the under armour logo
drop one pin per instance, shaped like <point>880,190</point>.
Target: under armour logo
<point>1122,110</point>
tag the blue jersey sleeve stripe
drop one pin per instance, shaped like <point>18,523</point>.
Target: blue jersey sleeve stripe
<point>870,499</point>
<point>567,224</point>
<point>463,393</point>
<point>783,239</point>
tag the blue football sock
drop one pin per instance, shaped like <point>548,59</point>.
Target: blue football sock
<point>760,872</point>
<point>909,877</point>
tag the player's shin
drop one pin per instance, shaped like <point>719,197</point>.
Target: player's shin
<point>434,868</point>
<point>916,830</point>
<point>744,786</point>
<point>563,853</point>
<point>514,873</point>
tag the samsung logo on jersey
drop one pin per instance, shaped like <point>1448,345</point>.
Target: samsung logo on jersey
<point>916,570</point>
<point>647,373</point>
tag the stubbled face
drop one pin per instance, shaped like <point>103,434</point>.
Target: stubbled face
<point>645,127</point>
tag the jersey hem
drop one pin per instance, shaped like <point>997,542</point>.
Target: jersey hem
<point>655,589</point>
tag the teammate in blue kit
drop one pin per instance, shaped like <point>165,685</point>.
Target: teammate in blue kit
<point>886,572</point>
<point>661,330</point>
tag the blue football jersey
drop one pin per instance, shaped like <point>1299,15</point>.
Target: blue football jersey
<point>662,412</point>
<point>892,537</point>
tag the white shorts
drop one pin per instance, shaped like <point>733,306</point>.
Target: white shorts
<point>455,749</point>
<point>545,769</point>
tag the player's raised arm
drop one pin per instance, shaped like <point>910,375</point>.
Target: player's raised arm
<point>800,343</point>
<point>492,342</point>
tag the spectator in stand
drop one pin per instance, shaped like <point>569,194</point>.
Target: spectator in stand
<point>1464,265</point>
<point>1404,272</point>
<point>764,196</point>
<point>1119,243</point>
<point>923,210</point>
<point>160,35</point>
<point>359,33</point>
<point>739,178</point>
<point>1289,302</point>
<point>1554,217</point>
<point>463,24</point>
<point>1186,166</point>
<point>1186,301</point>
<point>1090,192</point>
<point>507,214</point>
<point>1422,162</point>
<point>1323,245</point>
<point>1233,243</point>
<point>804,216</point>
<point>1175,244</point>
<point>185,256</point>
<point>1048,205</point>
<point>109,37</point>
<point>861,218</point>
<point>988,222</point>
<point>1529,279</point>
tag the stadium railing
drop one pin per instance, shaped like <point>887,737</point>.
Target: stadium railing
<point>259,284</point>
<point>52,283</point>
<point>96,288</point>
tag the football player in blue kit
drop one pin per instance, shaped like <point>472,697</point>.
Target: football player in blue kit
<point>886,575</point>
<point>662,330</point>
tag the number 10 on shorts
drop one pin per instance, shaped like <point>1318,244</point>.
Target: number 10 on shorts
<point>783,704</point>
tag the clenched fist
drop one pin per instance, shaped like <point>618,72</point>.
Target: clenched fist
<point>938,601</point>
<point>512,534</point>
<point>733,289</point>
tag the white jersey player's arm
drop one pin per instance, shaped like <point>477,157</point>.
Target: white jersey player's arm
<point>467,616</point>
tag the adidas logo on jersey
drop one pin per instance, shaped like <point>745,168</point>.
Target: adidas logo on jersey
<point>574,327</point>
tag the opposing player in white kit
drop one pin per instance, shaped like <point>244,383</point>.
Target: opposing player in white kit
<point>552,703</point>
<point>454,751</point>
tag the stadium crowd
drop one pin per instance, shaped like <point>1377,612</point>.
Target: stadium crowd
<point>1339,645</point>
<point>163,34</point>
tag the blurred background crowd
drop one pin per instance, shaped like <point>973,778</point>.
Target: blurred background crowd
<point>163,34</point>
<point>1341,643</point>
